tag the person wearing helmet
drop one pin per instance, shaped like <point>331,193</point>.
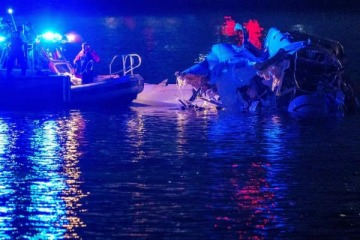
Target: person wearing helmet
<point>241,35</point>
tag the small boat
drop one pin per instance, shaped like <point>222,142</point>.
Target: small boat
<point>51,82</point>
<point>113,89</point>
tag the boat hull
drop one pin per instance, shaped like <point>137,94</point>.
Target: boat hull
<point>113,91</point>
<point>57,92</point>
<point>34,92</point>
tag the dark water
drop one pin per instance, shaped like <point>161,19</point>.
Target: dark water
<point>173,42</point>
<point>172,174</point>
<point>158,173</point>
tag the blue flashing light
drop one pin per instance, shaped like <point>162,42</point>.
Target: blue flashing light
<point>2,39</point>
<point>10,11</point>
<point>50,36</point>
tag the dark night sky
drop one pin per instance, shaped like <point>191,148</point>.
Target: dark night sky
<point>159,6</point>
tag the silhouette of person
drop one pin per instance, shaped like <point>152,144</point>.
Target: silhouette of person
<point>17,51</point>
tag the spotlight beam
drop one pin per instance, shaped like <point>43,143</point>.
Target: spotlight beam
<point>10,11</point>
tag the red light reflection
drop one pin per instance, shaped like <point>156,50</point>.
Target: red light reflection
<point>254,200</point>
<point>255,32</point>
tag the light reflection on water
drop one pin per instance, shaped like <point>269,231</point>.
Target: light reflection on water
<point>39,178</point>
<point>159,173</point>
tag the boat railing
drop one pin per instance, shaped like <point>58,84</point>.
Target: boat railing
<point>4,53</point>
<point>129,63</point>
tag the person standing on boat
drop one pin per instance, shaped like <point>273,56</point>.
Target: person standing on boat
<point>84,63</point>
<point>17,51</point>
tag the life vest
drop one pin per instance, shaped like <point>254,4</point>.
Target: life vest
<point>85,63</point>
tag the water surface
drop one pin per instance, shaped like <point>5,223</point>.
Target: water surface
<point>173,174</point>
<point>160,173</point>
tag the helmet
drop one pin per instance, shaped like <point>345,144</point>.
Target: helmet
<point>238,27</point>
<point>84,44</point>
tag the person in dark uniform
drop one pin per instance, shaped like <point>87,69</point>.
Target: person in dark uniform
<point>84,63</point>
<point>17,51</point>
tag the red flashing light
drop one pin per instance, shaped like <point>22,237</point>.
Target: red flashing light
<point>255,32</point>
<point>228,26</point>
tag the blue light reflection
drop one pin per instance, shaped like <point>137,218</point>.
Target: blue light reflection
<point>6,180</point>
<point>39,179</point>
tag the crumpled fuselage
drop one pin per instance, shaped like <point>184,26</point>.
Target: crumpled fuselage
<point>289,67</point>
